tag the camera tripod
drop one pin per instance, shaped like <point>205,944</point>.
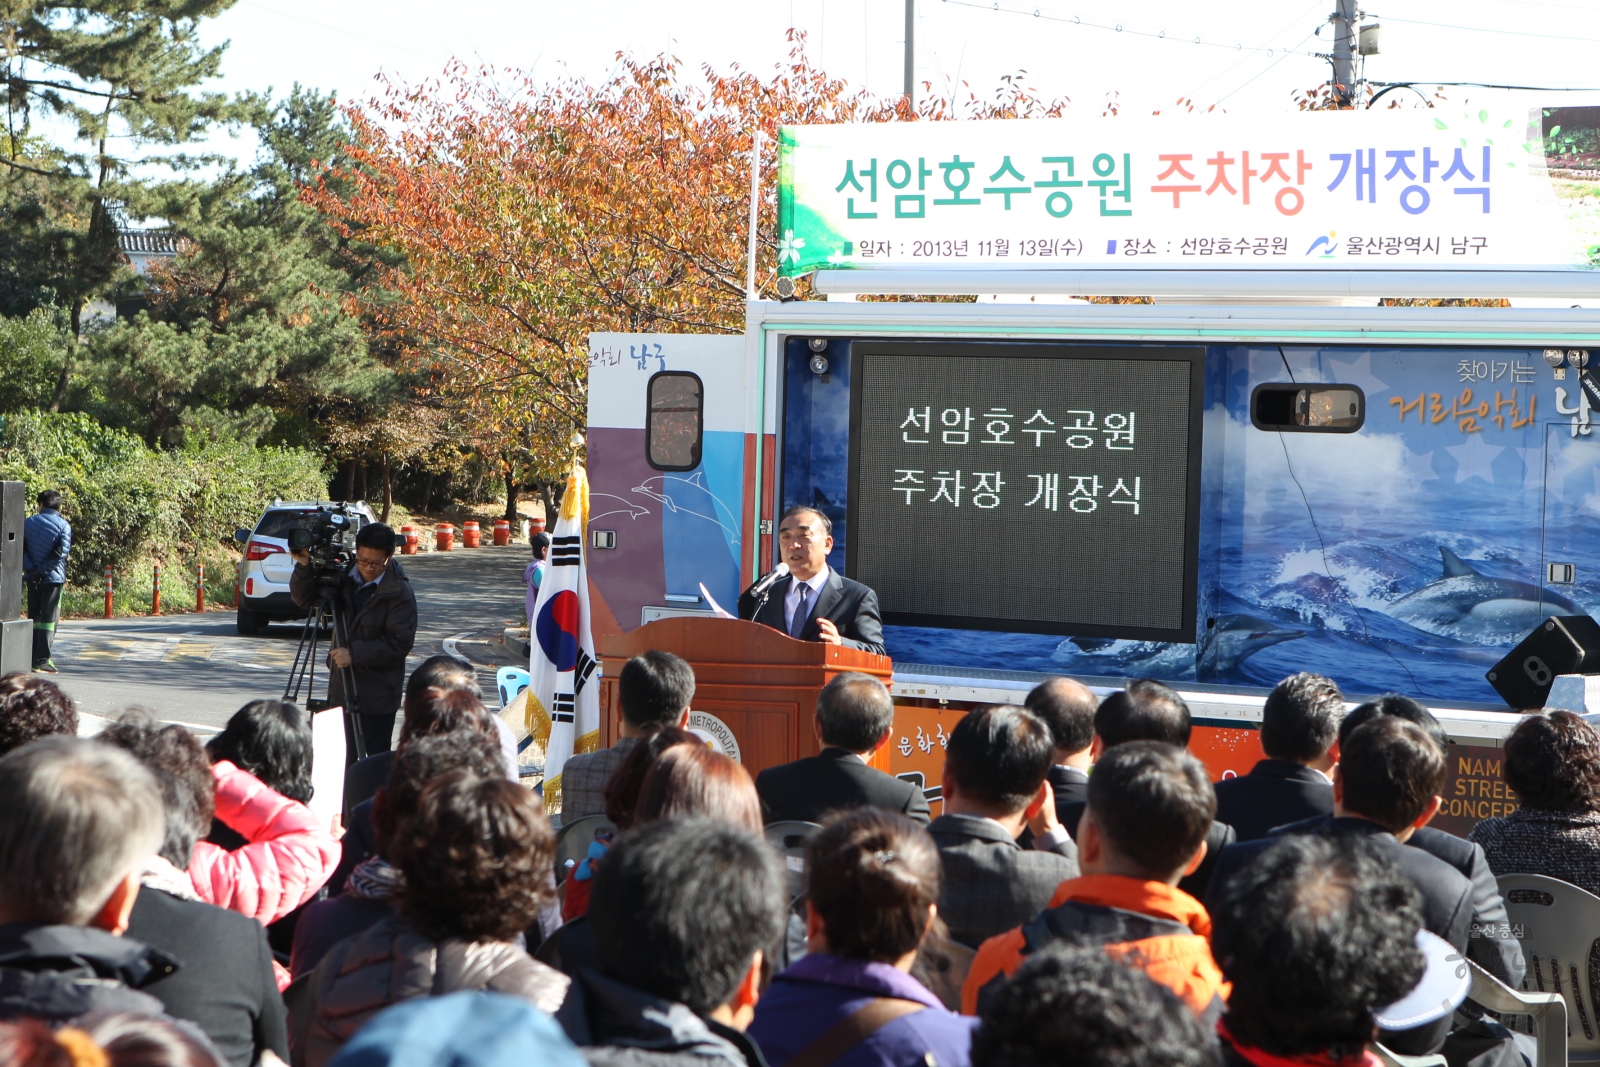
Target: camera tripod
<point>304,670</point>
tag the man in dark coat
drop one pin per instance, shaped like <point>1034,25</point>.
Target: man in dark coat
<point>1299,724</point>
<point>1146,710</point>
<point>1491,945</point>
<point>1068,708</point>
<point>814,602</point>
<point>854,715</point>
<point>1387,785</point>
<point>994,786</point>
<point>81,820</point>
<point>380,613</point>
<point>686,1001</point>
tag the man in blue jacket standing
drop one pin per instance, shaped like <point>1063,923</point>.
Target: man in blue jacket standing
<point>46,540</point>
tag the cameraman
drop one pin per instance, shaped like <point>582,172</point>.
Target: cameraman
<point>380,613</point>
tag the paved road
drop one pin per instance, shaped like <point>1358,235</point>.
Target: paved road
<point>197,670</point>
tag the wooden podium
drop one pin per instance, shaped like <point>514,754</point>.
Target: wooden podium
<point>761,684</point>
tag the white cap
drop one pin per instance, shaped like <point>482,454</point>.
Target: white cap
<point>1443,987</point>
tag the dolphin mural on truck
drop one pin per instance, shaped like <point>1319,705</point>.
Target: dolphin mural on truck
<point>1232,640</point>
<point>1471,606</point>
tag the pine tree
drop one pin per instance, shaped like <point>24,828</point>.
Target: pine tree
<point>246,333</point>
<point>94,92</point>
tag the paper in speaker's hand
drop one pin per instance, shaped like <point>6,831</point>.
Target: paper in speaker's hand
<point>716,609</point>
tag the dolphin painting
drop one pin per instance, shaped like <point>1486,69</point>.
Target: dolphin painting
<point>1229,643</point>
<point>1235,638</point>
<point>1476,608</point>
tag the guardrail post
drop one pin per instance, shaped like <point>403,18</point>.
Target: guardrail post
<point>200,591</point>
<point>108,592</point>
<point>155,592</point>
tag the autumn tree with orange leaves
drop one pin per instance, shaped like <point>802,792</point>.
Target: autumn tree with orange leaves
<point>530,215</point>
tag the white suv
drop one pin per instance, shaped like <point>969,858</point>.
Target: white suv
<point>264,571</point>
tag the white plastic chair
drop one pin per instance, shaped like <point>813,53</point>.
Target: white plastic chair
<point>1558,925</point>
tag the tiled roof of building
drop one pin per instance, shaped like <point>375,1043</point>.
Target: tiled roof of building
<point>150,242</point>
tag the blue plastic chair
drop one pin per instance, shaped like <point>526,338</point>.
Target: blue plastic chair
<point>512,681</point>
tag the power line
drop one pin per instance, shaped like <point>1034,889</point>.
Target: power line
<point>1486,85</point>
<point>1232,66</point>
<point>1076,20</point>
<point>1269,66</point>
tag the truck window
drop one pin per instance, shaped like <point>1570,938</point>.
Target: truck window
<point>1291,408</point>
<point>675,422</point>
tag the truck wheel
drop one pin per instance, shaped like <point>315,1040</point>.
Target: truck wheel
<point>249,623</point>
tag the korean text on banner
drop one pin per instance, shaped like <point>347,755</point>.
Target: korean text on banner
<point>563,708</point>
<point>1431,189</point>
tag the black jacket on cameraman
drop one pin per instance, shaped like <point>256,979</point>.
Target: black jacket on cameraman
<point>382,627</point>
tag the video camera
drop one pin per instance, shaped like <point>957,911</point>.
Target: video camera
<point>329,537</point>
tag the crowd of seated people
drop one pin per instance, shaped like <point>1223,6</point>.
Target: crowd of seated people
<point>1085,896</point>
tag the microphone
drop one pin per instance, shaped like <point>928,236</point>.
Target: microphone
<point>772,578</point>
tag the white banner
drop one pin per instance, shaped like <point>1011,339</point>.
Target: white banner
<point>1323,190</point>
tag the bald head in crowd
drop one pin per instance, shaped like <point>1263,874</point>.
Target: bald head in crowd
<point>1068,708</point>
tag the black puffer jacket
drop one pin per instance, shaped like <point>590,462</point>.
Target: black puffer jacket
<point>58,973</point>
<point>381,635</point>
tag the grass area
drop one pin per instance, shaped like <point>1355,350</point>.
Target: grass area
<point>131,592</point>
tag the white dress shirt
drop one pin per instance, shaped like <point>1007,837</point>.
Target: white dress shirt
<point>791,599</point>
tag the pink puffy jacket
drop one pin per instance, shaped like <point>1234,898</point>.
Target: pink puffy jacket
<point>288,858</point>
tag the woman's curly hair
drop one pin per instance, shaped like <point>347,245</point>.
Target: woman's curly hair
<point>31,708</point>
<point>476,857</point>
<point>1553,763</point>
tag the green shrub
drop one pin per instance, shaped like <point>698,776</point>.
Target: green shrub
<point>128,502</point>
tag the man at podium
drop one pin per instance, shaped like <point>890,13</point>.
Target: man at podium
<point>811,601</point>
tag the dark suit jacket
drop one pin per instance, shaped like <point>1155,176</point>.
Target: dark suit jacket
<point>1070,786</point>
<point>1446,900</point>
<point>809,788</point>
<point>1274,793</point>
<point>224,982</point>
<point>1218,838</point>
<point>851,606</point>
<point>991,884</point>
<point>1490,945</point>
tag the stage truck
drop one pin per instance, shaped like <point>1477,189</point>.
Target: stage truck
<point>1261,472</point>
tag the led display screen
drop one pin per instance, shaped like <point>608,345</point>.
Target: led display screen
<point>1036,488</point>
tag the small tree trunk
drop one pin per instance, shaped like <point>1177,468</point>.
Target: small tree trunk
<point>388,490</point>
<point>549,504</point>
<point>65,377</point>
<point>362,491</point>
<point>511,495</point>
<point>427,492</point>
<point>350,480</point>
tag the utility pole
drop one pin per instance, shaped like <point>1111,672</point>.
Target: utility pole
<point>911,54</point>
<point>1344,50</point>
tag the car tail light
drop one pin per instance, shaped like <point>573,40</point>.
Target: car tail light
<point>258,550</point>
<point>249,587</point>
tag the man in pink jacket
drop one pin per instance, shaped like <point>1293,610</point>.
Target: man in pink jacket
<point>287,857</point>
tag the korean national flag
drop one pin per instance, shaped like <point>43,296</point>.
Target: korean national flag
<point>563,693</point>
